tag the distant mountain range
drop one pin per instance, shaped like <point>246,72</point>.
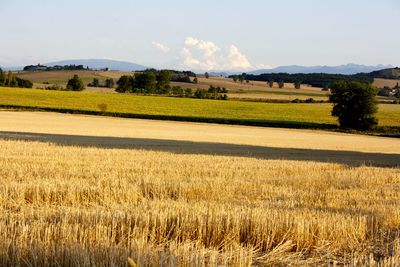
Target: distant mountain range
<point>342,69</point>
<point>292,69</point>
<point>101,64</point>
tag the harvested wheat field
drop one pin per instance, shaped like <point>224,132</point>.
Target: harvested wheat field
<point>92,191</point>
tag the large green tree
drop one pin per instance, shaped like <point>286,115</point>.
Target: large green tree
<point>163,78</point>
<point>2,77</point>
<point>75,84</point>
<point>354,104</point>
<point>125,84</point>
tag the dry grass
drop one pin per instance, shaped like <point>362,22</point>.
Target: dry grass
<point>97,207</point>
<point>380,83</point>
<point>65,124</point>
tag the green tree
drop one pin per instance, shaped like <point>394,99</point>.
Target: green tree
<point>146,81</point>
<point>281,84</point>
<point>2,78</point>
<point>95,82</point>
<point>125,84</point>
<point>75,84</point>
<point>188,92</point>
<point>163,78</point>
<point>271,83</point>
<point>297,85</point>
<point>206,75</point>
<point>354,104</point>
<point>109,83</point>
<point>235,78</point>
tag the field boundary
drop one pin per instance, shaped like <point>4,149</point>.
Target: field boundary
<point>384,131</point>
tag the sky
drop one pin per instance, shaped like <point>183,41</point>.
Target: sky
<point>202,35</point>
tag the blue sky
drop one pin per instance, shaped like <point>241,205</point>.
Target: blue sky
<point>212,35</point>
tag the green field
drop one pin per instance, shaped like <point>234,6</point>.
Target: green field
<point>315,115</point>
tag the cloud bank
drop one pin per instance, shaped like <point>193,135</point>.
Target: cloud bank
<point>205,55</point>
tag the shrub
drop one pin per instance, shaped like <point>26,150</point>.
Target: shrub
<point>75,84</point>
<point>103,107</point>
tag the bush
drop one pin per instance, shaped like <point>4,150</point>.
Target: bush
<point>355,104</point>
<point>75,84</point>
<point>103,107</point>
<point>281,84</point>
<point>55,87</point>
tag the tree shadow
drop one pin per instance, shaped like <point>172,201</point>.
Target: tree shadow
<point>350,158</point>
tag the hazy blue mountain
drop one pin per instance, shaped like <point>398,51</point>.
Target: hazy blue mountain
<point>101,64</point>
<point>342,69</point>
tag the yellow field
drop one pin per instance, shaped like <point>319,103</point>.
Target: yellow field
<point>80,190</point>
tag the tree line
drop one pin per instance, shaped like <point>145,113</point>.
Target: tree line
<point>10,80</point>
<point>159,83</point>
<point>56,67</point>
<point>322,80</point>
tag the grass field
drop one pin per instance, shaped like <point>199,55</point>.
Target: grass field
<point>190,109</point>
<point>82,190</point>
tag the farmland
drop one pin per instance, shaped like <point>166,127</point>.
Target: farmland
<point>294,115</point>
<point>83,190</point>
<point>237,89</point>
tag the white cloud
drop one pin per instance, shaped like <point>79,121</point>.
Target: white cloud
<point>161,47</point>
<point>237,59</point>
<point>206,55</point>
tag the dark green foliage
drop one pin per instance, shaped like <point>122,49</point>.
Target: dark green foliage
<point>109,83</point>
<point>212,93</point>
<point>188,92</point>
<point>206,75</point>
<point>158,82</point>
<point>75,84</point>
<point>297,85</point>
<point>271,83</point>
<point>125,84</point>
<point>235,78</point>
<point>11,81</point>
<point>385,91</point>
<point>95,82</point>
<point>57,67</point>
<point>2,77</point>
<point>163,78</point>
<point>146,82</point>
<point>281,84</point>
<point>313,79</point>
<point>355,104</point>
<point>22,83</point>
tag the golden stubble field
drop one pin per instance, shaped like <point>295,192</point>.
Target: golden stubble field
<point>80,191</point>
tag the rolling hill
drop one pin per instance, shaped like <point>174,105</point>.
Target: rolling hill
<point>101,64</point>
<point>342,69</point>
